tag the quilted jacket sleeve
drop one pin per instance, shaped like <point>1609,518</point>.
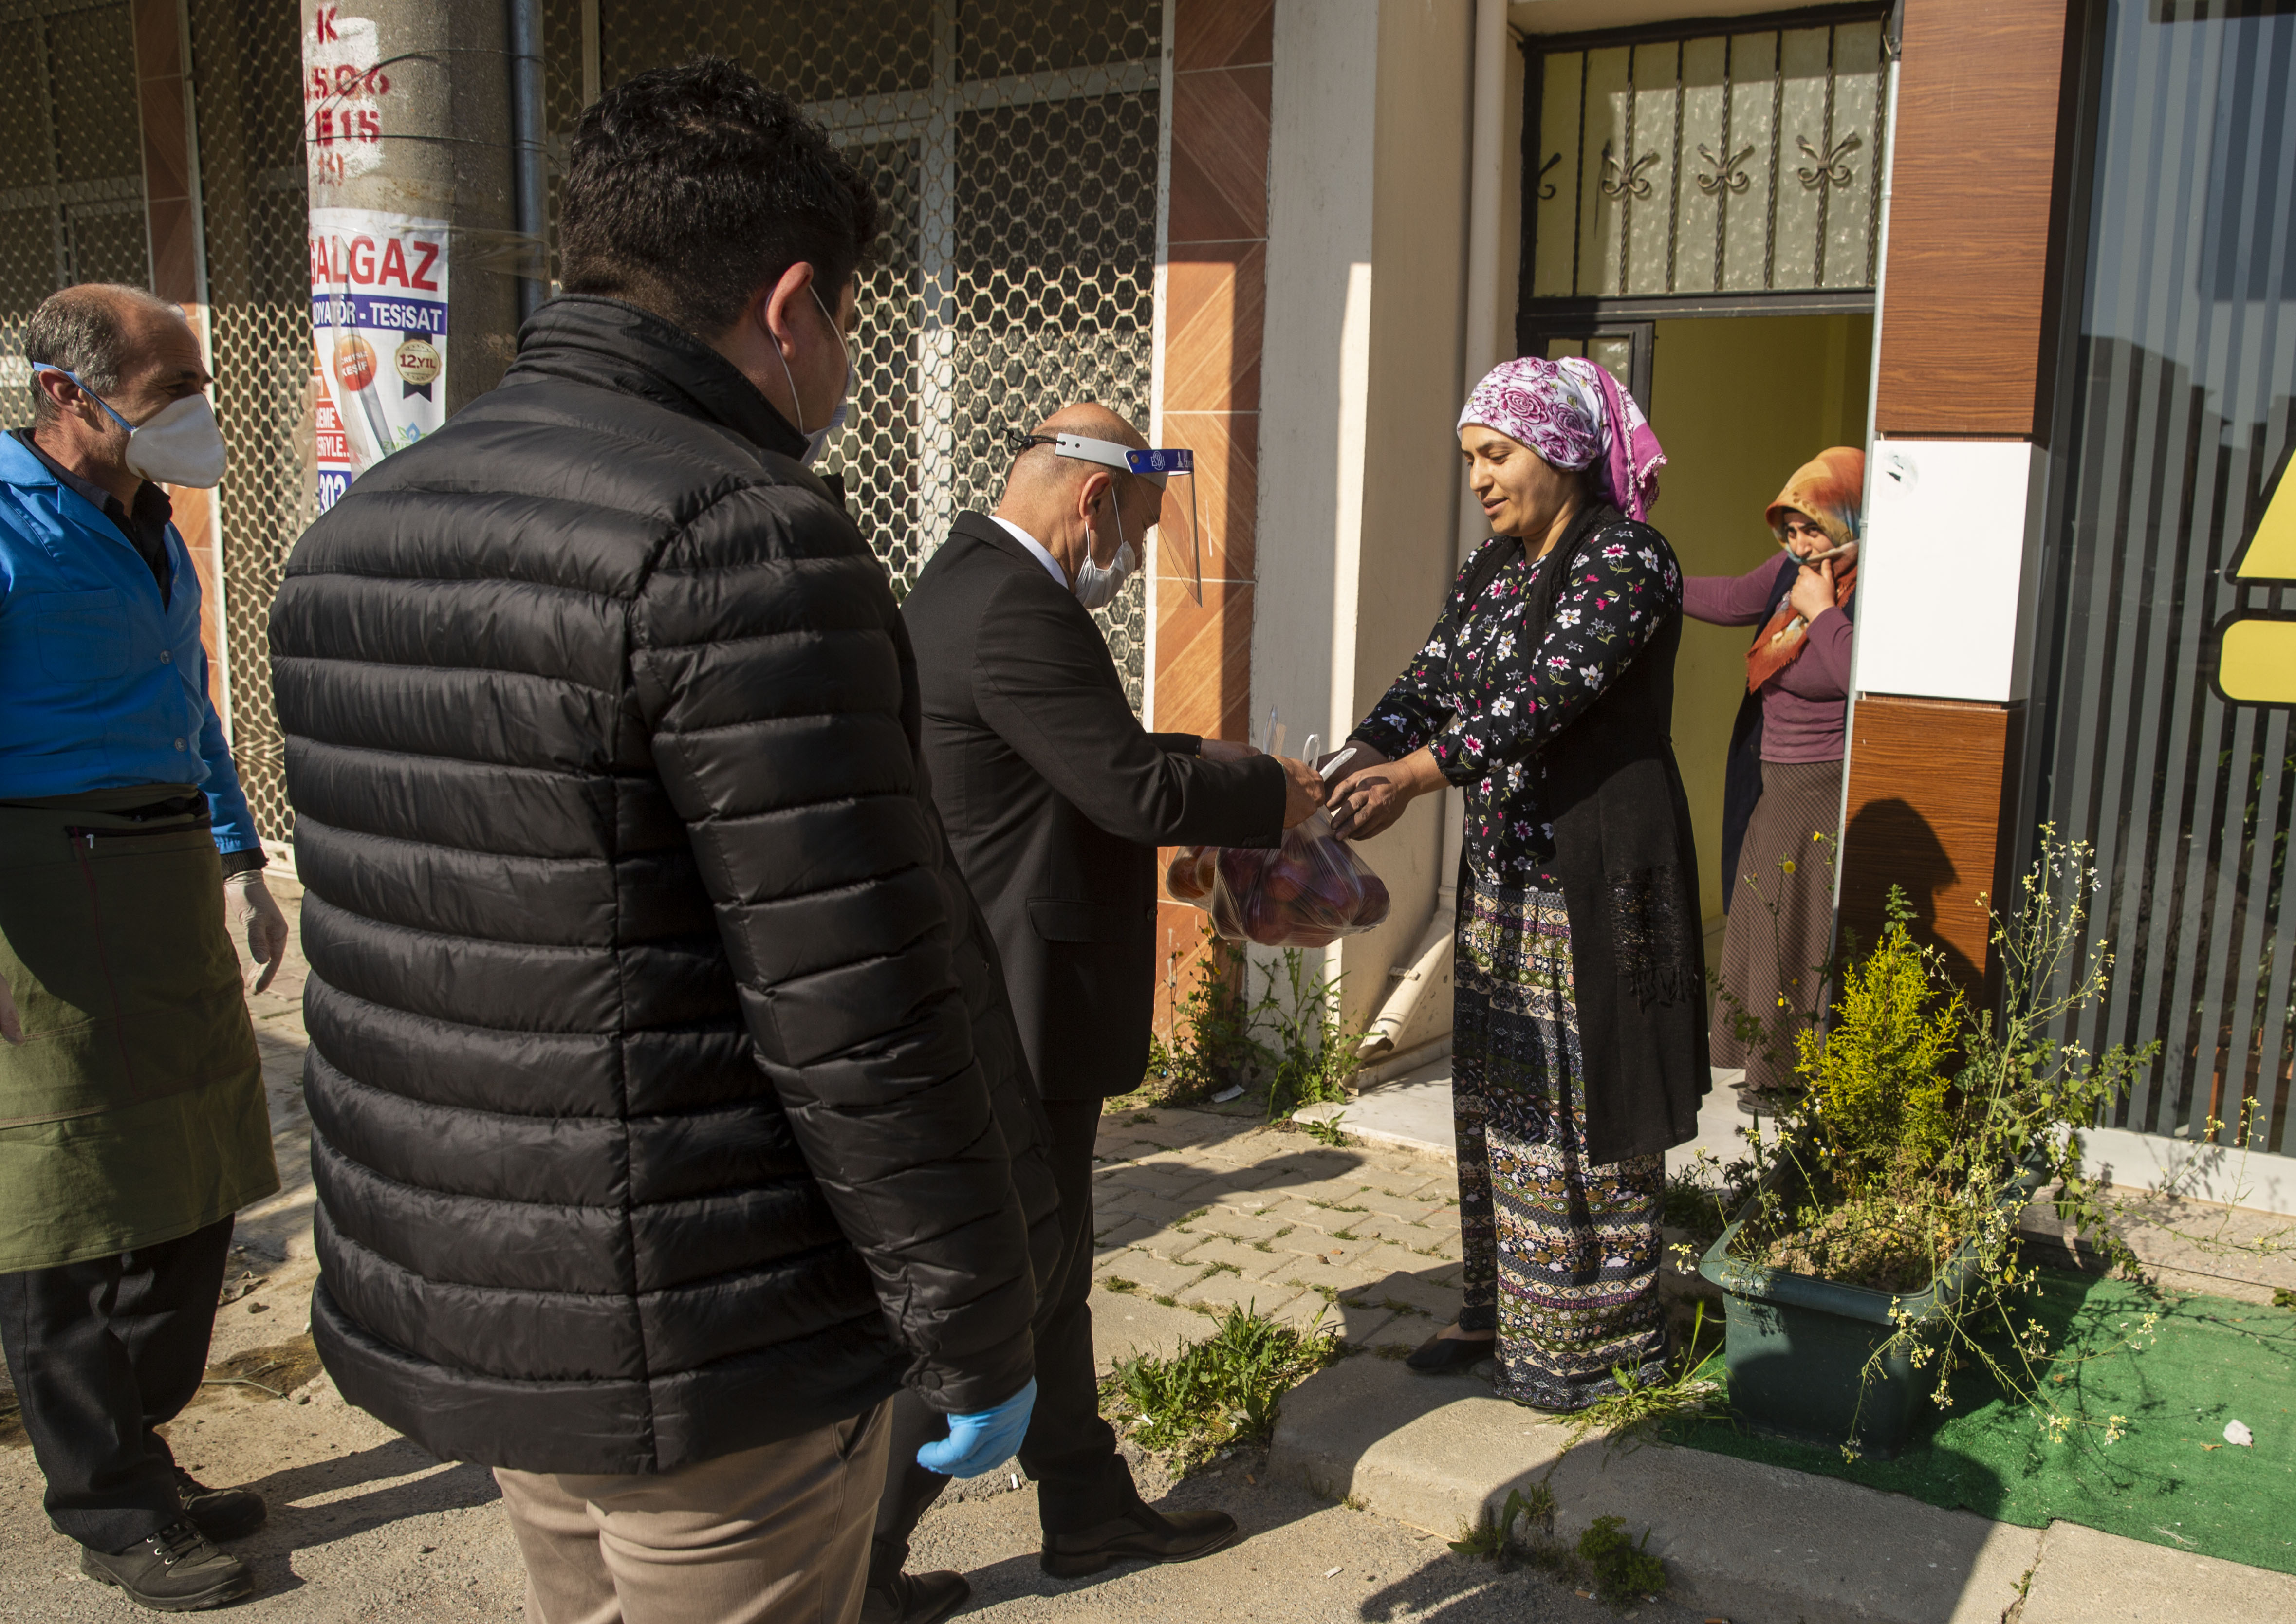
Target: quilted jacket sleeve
<point>780,717</point>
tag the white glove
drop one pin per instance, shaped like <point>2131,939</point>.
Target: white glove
<point>248,913</point>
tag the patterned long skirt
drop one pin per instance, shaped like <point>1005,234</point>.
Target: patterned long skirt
<point>1561,1254</point>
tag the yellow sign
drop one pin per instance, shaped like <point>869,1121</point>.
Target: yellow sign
<point>2256,654</point>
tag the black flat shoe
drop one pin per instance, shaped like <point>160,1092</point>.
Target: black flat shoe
<point>1141,1534</point>
<point>915,1598</point>
<point>1439,1356</point>
<point>219,1514</point>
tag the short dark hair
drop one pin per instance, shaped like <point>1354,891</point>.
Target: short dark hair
<point>84,329</point>
<point>692,187</point>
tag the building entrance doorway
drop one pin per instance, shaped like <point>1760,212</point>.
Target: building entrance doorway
<point>1703,219</point>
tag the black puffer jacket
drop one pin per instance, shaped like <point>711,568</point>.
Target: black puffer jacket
<point>666,1100</point>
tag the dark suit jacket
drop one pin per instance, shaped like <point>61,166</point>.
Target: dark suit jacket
<point>1055,799</point>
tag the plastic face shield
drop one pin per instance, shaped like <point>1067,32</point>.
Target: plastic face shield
<point>1172,473</point>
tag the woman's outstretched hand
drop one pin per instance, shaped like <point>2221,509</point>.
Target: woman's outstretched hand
<point>1375,790</point>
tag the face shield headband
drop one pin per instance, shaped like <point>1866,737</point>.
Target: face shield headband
<point>1171,471</point>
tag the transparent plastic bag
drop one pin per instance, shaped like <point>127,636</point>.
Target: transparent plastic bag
<point>1310,890</point>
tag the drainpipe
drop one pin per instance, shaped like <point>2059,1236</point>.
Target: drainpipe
<point>526,136</point>
<point>1414,1025</point>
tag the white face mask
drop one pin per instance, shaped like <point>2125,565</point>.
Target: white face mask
<point>1097,584</point>
<point>820,437</point>
<point>180,444</point>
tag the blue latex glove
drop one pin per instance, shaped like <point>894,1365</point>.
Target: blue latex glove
<point>978,1442</point>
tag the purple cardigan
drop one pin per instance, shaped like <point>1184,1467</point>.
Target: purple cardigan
<point>1803,705</point>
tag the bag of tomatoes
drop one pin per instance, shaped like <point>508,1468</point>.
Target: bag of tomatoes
<point>1310,890</point>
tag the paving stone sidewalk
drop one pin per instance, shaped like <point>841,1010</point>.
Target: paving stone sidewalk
<point>1204,1210</point>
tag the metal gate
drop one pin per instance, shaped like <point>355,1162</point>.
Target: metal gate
<point>1014,144</point>
<point>72,170</point>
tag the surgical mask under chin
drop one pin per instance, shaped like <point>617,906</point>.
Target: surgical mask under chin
<point>1097,584</point>
<point>819,438</point>
<point>180,444</point>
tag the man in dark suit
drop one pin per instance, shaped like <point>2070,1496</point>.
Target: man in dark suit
<point>1055,800</point>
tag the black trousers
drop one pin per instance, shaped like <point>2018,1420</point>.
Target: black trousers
<point>1069,1451</point>
<point>101,1353</point>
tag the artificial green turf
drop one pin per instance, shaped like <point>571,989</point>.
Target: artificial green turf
<point>2212,1360</point>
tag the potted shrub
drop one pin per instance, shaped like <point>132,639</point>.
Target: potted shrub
<point>1875,1249</point>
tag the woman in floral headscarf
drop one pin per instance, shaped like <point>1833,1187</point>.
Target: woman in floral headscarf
<point>1782,797</point>
<point>1579,1038</point>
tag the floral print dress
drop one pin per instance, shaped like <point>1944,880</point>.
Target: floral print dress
<point>1488,689</point>
<point>1562,1255</point>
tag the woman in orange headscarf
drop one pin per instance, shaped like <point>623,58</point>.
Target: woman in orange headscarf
<point>1782,795</point>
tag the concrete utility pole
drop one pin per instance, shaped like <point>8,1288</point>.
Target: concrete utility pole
<point>420,243</point>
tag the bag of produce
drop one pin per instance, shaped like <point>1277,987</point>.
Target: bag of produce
<point>1307,893</point>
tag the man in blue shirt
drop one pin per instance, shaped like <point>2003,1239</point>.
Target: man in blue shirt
<point>132,1116</point>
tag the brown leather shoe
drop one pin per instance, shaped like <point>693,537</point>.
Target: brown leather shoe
<point>915,1598</point>
<point>178,1569</point>
<point>1141,1534</point>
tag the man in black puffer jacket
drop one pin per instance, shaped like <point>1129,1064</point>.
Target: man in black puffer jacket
<point>668,1111</point>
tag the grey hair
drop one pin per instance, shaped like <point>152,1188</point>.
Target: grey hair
<point>83,330</point>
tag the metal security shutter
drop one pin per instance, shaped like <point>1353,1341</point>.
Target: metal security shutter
<point>2185,374</point>
<point>1014,146</point>
<point>71,170</point>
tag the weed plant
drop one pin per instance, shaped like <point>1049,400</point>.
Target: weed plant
<point>1619,1570</point>
<point>1632,1414</point>
<point>1315,1051</point>
<point>1215,1043</point>
<point>1215,1391</point>
<point>1292,1039</point>
<point>1919,1115</point>
<point>1623,1570</point>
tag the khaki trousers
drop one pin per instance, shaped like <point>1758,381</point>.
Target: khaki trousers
<point>776,1535</point>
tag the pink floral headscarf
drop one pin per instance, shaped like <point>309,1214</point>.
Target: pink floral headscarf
<point>1573,412</point>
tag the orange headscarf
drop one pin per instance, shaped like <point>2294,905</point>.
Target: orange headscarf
<point>1827,490</point>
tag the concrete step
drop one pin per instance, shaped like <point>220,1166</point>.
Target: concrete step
<point>1757,1544</point>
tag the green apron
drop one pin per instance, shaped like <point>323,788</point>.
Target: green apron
<point>132,1112</point>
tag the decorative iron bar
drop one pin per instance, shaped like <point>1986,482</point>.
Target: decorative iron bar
<point>1625,216</point>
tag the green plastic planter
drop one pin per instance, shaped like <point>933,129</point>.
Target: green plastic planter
<point>1799,1346</point>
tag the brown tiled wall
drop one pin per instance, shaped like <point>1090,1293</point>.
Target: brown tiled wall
<point>1215,293</point>
<point>170,214</point>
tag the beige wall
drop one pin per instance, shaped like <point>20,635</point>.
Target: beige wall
<point>1367,232</point>
<point>1739,402</point>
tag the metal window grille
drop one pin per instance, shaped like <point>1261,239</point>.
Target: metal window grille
<point>1720,164</point>
<point>71,170</point>
<point>1014,144</point>
<point>248,97</point>
<point>2185,405</point>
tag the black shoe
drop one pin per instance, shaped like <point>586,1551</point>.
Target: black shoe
<point>1439,1356</point>
<point>219,1514</point>
<point>1141,1532</point>
<point>915,1598</point>
<point>178,1569</point>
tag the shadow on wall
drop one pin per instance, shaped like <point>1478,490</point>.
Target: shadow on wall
<point>1888,842</point>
